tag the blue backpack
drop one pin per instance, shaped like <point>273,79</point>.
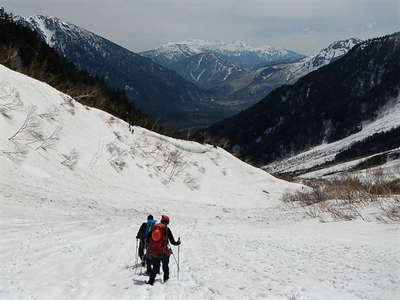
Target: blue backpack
<point>149,226</point>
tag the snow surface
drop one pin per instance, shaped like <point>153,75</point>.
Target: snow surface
<point>76,185</point>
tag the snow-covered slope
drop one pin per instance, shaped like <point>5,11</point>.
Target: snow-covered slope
<point>387,119</point>
<point>76,183</point>
<point>207,69</point>
<point>103,147</point>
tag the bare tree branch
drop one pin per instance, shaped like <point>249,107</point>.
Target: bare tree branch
<point>28,129</point>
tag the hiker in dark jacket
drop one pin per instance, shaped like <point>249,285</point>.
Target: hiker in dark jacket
<point>143,235</point>
<point>158,250</point>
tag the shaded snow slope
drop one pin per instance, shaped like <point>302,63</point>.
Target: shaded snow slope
<point>75,185</point>
<point>386,120</point>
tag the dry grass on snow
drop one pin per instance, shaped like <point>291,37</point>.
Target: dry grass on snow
<point>349,197</point>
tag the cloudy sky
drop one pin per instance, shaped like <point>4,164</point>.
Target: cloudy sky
<point>301,25</point>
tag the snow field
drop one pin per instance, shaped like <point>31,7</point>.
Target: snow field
<point>225,253</point>
<point>69,213</point>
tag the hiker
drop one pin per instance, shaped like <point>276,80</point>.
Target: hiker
<point>158,250</point>
<point>143,235</point>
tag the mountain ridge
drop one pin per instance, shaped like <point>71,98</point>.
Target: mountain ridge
<point>235,52</point>
<point>161,93</point>
<point>235,85</point>
<point>327,105</point>
<point>255,85</point>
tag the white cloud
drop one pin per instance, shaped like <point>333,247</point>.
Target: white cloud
<point>303,25</point>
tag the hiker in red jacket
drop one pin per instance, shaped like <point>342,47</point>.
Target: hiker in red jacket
<point>158,250</point>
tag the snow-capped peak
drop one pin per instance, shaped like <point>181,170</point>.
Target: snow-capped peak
<point>236,52</point>
<point>197,46</point>
<point>39,22</point>
<point>334,51</point>
<point>49,28</point>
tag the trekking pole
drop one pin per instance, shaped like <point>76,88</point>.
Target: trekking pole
<point>179,248</point>
<point>173,255</point>
<point>136,256</point>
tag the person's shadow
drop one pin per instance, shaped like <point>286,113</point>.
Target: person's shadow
<point>133,267</point>
<point>139,282</point>
<point>143,282</point>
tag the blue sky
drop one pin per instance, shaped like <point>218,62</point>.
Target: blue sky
<point>301,25</point>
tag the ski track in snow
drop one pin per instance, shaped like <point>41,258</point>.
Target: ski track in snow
<point>69,232</point>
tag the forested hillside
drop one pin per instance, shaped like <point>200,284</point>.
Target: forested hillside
<point>21,49</point>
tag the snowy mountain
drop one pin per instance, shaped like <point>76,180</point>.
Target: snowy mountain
<point>237,75</point>
<point>76,183</point>
<point>161,93</point>
<point>327,55</point>
<point>344,111</point>
<point>210,64</point>
<point>249,88</point>
<point>206,69</point>
<point>237,53</point>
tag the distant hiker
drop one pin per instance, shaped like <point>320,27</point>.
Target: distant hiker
<point>158,250</point>
<point>143,235</point>
<point>131,129</point>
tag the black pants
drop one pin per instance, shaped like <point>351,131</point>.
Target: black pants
<point>155,267</point>
<point>141,249</point>
<point>143,257</point>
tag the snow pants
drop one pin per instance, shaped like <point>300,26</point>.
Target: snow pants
<point>143,257</point>
<point>141,249</point>
<point>155,267</point>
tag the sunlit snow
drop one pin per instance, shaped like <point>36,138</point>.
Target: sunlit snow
<point>76,183</point>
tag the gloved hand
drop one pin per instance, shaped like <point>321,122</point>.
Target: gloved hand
<point>178,242</point>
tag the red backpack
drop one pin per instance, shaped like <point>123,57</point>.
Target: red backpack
<point>159,241</point>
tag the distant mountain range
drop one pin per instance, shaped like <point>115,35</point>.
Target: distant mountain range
<point>250,87</point>
<point>160,92</point>
<point>237,75</point>
<point>237,53</point>
<point>208,64</point>
<point>191,84</point>
<point>345,111</point>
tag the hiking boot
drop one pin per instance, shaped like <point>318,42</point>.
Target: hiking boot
<point>151,280</point>
<point>166,279</point>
